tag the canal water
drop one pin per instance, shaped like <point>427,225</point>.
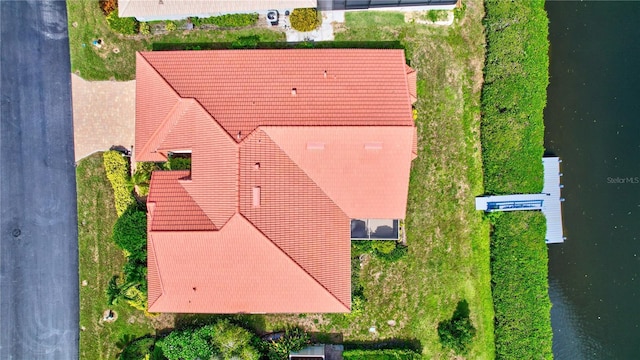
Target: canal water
<point>593,123</point>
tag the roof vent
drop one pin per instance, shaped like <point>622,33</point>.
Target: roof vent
<point>256,196</point>
<point>325,74</point>
<point>373,146</point>
<point>294,91</point>
<point>239,135</point>
<point>315,146</point>
<point>256,166</point>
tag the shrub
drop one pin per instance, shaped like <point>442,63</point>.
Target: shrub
<point>305,19</point>
<point>294,339</point>
<point>457,332</point>
<point>136,298</point>
<point>398,253</point>
<point>122,25</point>
<point>235,20</point>
<point>108,6</point>
<point>138,349</point>
<point>130,232</point>
<point>382,354</point>
<point>176,163</point>
<point>170,26</point>
<point>383,247</point>
<point>385,250</point>
<point>222,340</point>
<point>233,342</point>
<point>187,344</point>
<point>519,286</point>
<point>144,28</point>
<point>514,96</point>
<point>117,169</point>
<point>228,20</point>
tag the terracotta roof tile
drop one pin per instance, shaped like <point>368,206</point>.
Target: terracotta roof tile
<point>296,214</point>
<point>174,209</point>
<point>243,89</point>
<point>363,169</point>
<point>154,101</point>
<point>236,269</point>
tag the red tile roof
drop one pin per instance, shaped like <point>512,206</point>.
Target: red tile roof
<point>282,157</point>
<point>358,167</point>
<point>243,89</point>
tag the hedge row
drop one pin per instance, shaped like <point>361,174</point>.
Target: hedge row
<point>228,20</point>
<point>383,354</point>
<point>117,169</point>
<point>130,234</point>
<point>514,96</point>
<point>519,286</point>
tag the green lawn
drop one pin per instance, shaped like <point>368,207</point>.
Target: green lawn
<point>87,23</point>
<point>100,259</point>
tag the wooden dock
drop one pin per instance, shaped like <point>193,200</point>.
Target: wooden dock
<point>549,201</point>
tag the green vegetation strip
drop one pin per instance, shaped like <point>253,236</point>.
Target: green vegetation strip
<point>514,96</point>
<point>513,100</point>
<point>100,260</point>
<point>520,289</point>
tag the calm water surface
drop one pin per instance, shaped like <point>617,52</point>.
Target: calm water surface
<point>593,123</point>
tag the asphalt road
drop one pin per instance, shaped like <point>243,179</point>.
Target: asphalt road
<point>38,238</point>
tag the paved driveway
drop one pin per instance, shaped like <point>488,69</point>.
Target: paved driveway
<point>103,115</point>
<point>39,231</point>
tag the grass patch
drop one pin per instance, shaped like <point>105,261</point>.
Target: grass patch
<point>100,259</point>
<point>116,58</point>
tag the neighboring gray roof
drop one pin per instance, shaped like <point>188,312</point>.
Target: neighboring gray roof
<point>173,8</point>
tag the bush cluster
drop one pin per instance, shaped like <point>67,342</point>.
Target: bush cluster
<point>386,250</point>
<point>144,28</point>
<point>519,286</point>
<point>382,354</point>
<point>222,340</point>
<point>170,25</point>
<point>294,339</point>
<point>228,20</point>
<point>130,234</point>
<point>117,169</point>
<point>458,332</point>
<point>122,25</point>
<point>305,19</point>
<point>514,96</point>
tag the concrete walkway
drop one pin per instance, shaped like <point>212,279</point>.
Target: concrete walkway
<point>103,115</point>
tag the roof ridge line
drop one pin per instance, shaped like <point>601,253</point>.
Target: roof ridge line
<point>304,171</point>
<point>157,272</point>
<point>294,261</point>
<point>180,182</point>
<point>162,126</point>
